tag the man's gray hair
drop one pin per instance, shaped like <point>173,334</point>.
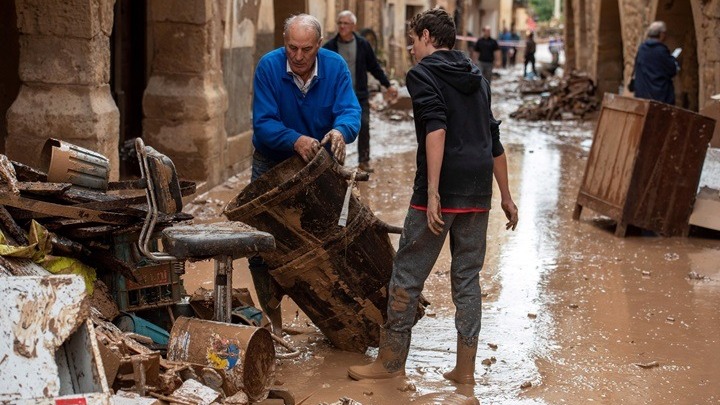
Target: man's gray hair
<point>655,29</point>
<point>303,20</point>
<point>347,13</point>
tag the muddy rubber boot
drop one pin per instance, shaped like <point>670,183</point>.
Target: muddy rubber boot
<point>464,371</point>
<point>391,358</point>
<point>267,299</point>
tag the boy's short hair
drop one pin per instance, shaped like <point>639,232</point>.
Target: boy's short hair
<point>438,23</point>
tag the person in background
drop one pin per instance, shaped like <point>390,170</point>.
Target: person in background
<point>303,100</point>
<point>655,67</point>
<point>360,59</point>
<point>446,201</point>
<point>486,51</point>
<point>513,54</point>
<point>530,54</point>
<point>505,48</point>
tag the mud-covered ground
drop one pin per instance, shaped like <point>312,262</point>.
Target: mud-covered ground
<point>582,315</point>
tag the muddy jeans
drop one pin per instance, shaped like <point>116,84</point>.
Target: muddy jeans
<point>416,256</point>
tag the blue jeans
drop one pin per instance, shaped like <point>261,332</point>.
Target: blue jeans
<point>418,251</point>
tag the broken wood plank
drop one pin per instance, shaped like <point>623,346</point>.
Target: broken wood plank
<point>12,228</point>
<point>24,172</point>
<point>64,210</point>
<point>43,188</point>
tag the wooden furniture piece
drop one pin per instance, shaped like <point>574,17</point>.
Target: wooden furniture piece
<point>645,164</point>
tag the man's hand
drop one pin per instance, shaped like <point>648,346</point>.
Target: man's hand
<point>511,212</point>
<point>434,215</point>
<point>391,93</point>
<point>337,144</point>
<point>307,147</point>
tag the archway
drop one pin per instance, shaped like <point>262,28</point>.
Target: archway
<point>678,17</point>
<point>283,9</point>
<point>9,76</point>
<point>609,68</point>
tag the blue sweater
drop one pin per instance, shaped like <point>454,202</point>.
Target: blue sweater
<point>281,113</point>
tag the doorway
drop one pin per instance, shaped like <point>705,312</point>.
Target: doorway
<point>678,17</point>
<point>128,75</point>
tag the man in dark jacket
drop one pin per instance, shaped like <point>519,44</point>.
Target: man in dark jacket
<point>361,59</point>
<point>655,67</point>
<point>459,150</point>
<point>486,51</point>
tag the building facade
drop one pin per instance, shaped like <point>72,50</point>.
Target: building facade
<point>602,38</point>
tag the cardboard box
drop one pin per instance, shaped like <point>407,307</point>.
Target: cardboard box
<point>706,211</point>
<point>712,110</point>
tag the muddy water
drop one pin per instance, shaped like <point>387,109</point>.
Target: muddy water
<point>573,310</point>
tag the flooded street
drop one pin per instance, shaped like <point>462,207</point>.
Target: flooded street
<point>582,315</point>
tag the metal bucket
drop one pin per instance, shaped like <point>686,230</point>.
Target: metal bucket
<point>68,163</point>
<point>245,354</point>
<point>337,275</point>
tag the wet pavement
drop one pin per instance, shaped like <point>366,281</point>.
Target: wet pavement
<point>581,315</point>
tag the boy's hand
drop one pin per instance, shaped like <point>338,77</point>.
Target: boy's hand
<point>511,212</point>
<point>434,216</point>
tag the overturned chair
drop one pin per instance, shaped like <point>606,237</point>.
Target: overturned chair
<point>220,241</point>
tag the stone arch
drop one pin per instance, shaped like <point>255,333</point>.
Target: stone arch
<point>609,61</point>
<point>678,16</point>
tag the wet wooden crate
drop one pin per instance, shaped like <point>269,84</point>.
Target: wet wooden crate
<point>644,165</point>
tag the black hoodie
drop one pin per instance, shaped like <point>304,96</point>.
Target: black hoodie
<point>448,92</point>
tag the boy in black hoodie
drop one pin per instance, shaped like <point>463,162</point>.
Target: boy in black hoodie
<point>459,149</point>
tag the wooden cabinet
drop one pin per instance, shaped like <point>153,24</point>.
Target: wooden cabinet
<point>644,164</point>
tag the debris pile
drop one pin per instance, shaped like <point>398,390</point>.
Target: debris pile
<point>573,97</point>
<point>69,227</point>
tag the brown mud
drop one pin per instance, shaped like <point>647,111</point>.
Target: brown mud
<point>571,312</point>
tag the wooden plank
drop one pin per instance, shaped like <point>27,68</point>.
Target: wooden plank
<point>43,188</point>
<point>64,210</point>
<point>27,173</point>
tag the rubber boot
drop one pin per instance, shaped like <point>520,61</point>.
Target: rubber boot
<point>267,298</point>
<point>391,358</point>
<point>464,371</point>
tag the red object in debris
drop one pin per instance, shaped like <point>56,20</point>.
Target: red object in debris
<point>71,401</point>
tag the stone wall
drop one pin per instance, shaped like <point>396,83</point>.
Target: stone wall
<point>238,66</point>
<point>64,66</point>
<point>707,27</point>
<point>185,99</point>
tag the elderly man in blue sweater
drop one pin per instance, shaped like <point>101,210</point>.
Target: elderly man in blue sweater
<point>303,100</point>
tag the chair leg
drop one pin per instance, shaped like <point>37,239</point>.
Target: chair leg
<point>223,289</point>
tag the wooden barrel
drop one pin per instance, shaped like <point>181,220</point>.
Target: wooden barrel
<point>337,275</point>
<point>245,355</point>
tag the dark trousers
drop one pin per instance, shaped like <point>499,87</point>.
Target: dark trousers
<point>256,264</point>
<point>531,60</point>
<point>364,135</point>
